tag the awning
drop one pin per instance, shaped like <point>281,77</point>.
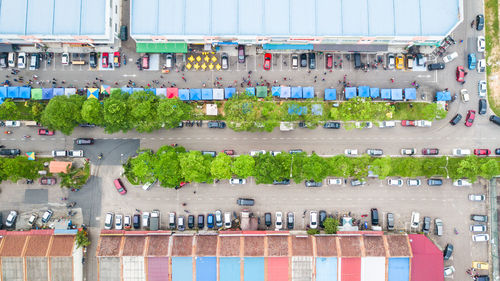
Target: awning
<point>127,90</point>
<point>374,92</point>
<point>397,94</point>
<point>92,93</point>
<point>183,94</point>
<point>287,46</point>
<point>285,92</point>
<point>218,94</point>
<point>410,93</point>
<point>58,91</point>
<point>47,93</point>
<point>69,91</point>
<point>250,91</point>
<point>36,94</point>
<point>6,48</point>
<point>25,92</point>
<point>350,92</point>
<point>13,92</point>
<point>173,93</point>
<point>276,91</point>
<point>161,92</point>
<point>296,92</point>
<point>206,94</point>
<point>161,48</point>
<point>3,92</point>
<point>194,94</point>
<point>364,91</point>
<point>385,94</point>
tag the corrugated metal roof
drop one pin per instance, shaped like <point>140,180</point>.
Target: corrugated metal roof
<point>157,269</point>
<point>182,268</point>
<point>399,269</point>
<point>350,269</point>
<point>109,269</point>
<point>326,269</point>
<point>253,269</point>
<point>427,262</point>
<point>206,269</point>
<point>277,269</point>
<point>133,268</point>
<point>36,269</point>
<point>302,268</point>
<point>229,269</point>
<point>294,17</point>
<point>373,269</point>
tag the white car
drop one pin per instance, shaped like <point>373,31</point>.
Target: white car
<point>450,57</point>
<point>279,220</point>
<point>11,219</point>
<point>227,220</point>
<point>75,153</point>
<point>461,152</point>
<point>462,182</point>
<point>237,181</point>
<point>257,152</point>
<point>476,197</point>
<point>351,151</point>
<point>314,219</point>
<point>21,60</point>
<point>482,88</point>
<point>145,219</point>
<point>65,58</point>
<point>480,237</point>
<point>396,182</point>
<point>423,123</point>
<point>274,153</point>
<point>12,59</point>
<point>414,182</point>
<point>481,44</point>
<point>481,66</point>
<point>387,124</point>
<point>449,270</point>
<point>108,221</point>
<point>119,222</point>
<point>408,151</point>
<point>361,125</point>
<point>218,218</point>
<point>478,228</point>
<point>465,95</point>
<point>334,181</point>
<point>12,123</point>
<point>32,219</point>
<point>415,219</point>
<point>127,222</point>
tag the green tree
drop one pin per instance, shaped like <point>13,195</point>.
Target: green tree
<point>243,166</point>
<point>489,169</point>
<point>142,167</point>
<point>117,113</point>
<point>20,167</point>
<point>315,168</point>
<point>266,169</point>
<point>406,167</point>
<point>382,167</point>
<point>194,166</point>
<point>270,115</point>
<point>172,111</point>
<point>340,166</point>
<point>221,167</point>
<point>312,231</point>
<point>241,112</point>
<point>360,166</point>
<point>63,113</point>
<point>143,111</point>
<point>331,225</point>
<point>8,110</point>
<point>92,111</point>
<point>82,239</point>
<point>468,168</point>
<point>433,167</point>
<point>167,167</point>
<point>37,111</point>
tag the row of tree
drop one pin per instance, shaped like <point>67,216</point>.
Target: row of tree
<point>14,169</point>
<point>173,165</point>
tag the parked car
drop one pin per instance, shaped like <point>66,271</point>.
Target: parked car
<point>374,152</point>
<point>123,33</point>
<point>237,181</point>
<point>477,197</point>
<point>10,152</point>
<point>450,57</point>
<point>313,216</point>
<point>267,61</point>
<point>241,53</point>
<point>390,221</point>
<point>363,125</point>
<point>290,220</point>
<point>479,218</point>
<point>448,270</point>
<point>409,61</point>
<point>423,123</point>
<point>118,222</point>
<point>312,61</point>
<point>218,218</point>
<point>395,182</point>
<point>482,152</point>
<point>456,119</point>
<point>21,60</point>
<point>108,221</point>
<point>426,226</point>
<point>279,221</point>
<point>471,63</point>
<point>136,221</point>
<point>481,66</point>
<point>482,88</point>
<point>438,227</point>
<point>331,125</point>
<point>11,219</point>
<point>105,60</point>
<point>295,61</point>
<point>257,152</point>
<point>303,60</point>
<point>119,187</point>
<point>415,219</point>
<point>479,22</point>
<point>478,228</point>
<point>312,183</point>
<point>349,151</point>
<point>10,123</point>
<point>408,151</point>
<point>469,120</point>
<point>413,182</point>
<point>374,216</point>
<point>387,124</point>
<point>126,222</point>
<point>281,182</point>
<point>180,223</point>
<point>408,123</point>
<point>480,237</point>
<point>65,59</point>
<point>93,60</point>
<point>448,251</point>
<point>430,151</point>
<point>169,60</point>
<point>268,219</point>
<point>434,182</point>
<point>84,141</point>
<point>480,265</point>
<point>391,62</point>
<point>356,182</point>
<point>47,181</point>
<point>482,106</point>
<point>461,152</point>
<point>145,219</point>
<point>435,66</point>
<point>45,132</point>
<point>201,221</point>
<point>116,59</point>
<point>245,202</point>
<point>322,218</point>
<point>224,61</point>
<point>465,95</point>
<point>35,61</point>
<point>460,74</point>
<point>216,124</point>
<point>190,222</point>
<point>145,61</point>
<point>400,61</point>
<point>75,153</point>
<point>462,182</point>
<point>329,61</point>
<point>334,181</point>
<point>228,151</point>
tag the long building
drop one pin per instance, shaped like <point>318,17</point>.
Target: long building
<point>266,256</point>
<point>321,25</point>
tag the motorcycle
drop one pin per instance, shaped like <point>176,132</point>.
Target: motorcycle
<point>71,204</point>
<point>7,132</point>
<point>456,231</point>
<point>27,137</point>
<point>99,157</point>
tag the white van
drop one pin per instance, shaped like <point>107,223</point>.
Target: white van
<point>59,153</point>
<point>148,185</point>
<point>415,219</point>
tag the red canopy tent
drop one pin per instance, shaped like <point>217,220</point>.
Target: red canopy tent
<point>172,93</point>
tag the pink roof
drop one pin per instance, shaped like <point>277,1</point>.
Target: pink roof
<point>351,269</point>
<point>172,92</point>
<point>427,262</point>
<point>277,269</point>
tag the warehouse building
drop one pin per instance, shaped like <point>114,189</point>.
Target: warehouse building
<point>261,256</point>
<point>321,25</point>
<point>40,255</point>
<point>48,23</point>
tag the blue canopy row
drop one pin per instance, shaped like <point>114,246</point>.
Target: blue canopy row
<point>389,94</point>
<point>15,92</point>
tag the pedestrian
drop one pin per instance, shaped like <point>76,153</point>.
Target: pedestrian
<point>472,24</point>
<point>323,79</point>
<point>446,89</point>
<point>314,80</point>
<point>308,71</point>
<point>324,73</point>
<point>392,80</point>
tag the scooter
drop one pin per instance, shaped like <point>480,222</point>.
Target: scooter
<point>7,132</point>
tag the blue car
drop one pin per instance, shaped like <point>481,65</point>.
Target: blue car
<point>210,220</point>
<point>472,61</point>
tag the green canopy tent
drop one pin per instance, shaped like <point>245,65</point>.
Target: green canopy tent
<point>36,93</point>
<point>261,91</point>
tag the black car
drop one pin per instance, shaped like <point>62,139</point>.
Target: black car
<point>93,60</point>
<point>482,106</point>
<point>374,214</point>
<point>84,141</point>
<point>123,33</point>
<point>302,124</point>
<point>241,53</point>
<point>331,125</point>
<point>435,182</point>
<point>322,218</point>
<point>303,60</point>
<point>447,252</point>
<point>201,221</point>
<point>136,221</point>
<point>295,151</point>
<point>87,125</point>
<point>436,66</point>
<point>268,219</point>
<point>497,151</point>
<point>426,226</point>
<point>312,61</point>
<point>245,202</point>
<point>191,221</point>
<point>10,152</point>
<point>456,119</point>
<point>281,182</point>
<point>482,278</point>
<point>390,221</point>
<point>479,22</point>
<point>290,220</point>
<point>311,183</point>
<point>217,124</point>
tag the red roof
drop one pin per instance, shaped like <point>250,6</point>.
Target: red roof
<point>277,269</point>
<point>427,262</point>
<point>351,269</point>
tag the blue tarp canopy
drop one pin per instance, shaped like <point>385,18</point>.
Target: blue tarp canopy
<point>13,92</point>
<point>206,94</point>
<point>443,96</point>
<point>58,92</point>
<point>285,92</point>
<point>385,94</point>
<point>250,91</point>
<point>194,94</point>
<point>350,92</point>
<point>229,92</point>
<point>308,92</point>
<point>91,93</point>
<point>364,91</point>
<point>276,91</point>
<point>330,94</point>
<point>396,94</point>
<point>294,109</point>
<point>3,92</point>
<point>374,92</point>
<point>410,93</point>
<point>296,92</point>
<point>25,92</point>
<point>137,89</point>
<point>317,109</point>
<point>48,93</point>
<point>127,90</point>
<point>184,94</point>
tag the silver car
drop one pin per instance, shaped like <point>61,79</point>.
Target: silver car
<point>218,218</point>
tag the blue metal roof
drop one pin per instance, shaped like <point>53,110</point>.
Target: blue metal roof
<point>53,17</point>
<point>326,269</point>
<point>253,269</point>
<point>399,269</point>
<point>290,17</point>
<point>229,269</point>
<point>206,268</point>
<point>182,268</point>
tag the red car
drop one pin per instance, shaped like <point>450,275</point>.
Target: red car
<point>460,74</point>
<point>228,152</point>
<point>145,61</point>
<point>469,120</point>
<point>105,60</point>
<point>45,132</point>
<point>408,123</point>
<point>119,186</point>
<point>482,152</point>
<point>430,151</point>
<point>116,59</point>
<point>47,181</point>
<point>267,61</point>
<point>329,61</point>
